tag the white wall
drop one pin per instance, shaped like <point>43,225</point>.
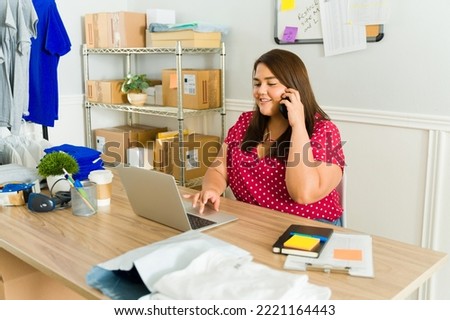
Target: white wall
<point>391,102</point>
<point>408,71</point>
<point>397,178</point>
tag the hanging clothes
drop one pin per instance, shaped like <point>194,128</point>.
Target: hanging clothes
<point>21,149</point>
<point>18,24</point>
<point>51,43</point>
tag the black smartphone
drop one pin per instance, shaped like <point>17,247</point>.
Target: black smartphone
<point>283,109</point>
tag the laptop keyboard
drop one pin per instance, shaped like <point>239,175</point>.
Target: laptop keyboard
<point>197,222</point>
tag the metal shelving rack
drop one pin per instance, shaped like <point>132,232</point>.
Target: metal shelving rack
<point>173,112</point>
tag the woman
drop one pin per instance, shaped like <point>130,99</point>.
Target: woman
<point>290,164</point>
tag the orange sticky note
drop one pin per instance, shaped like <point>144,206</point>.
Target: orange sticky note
<point>301,242</point>
<point>347,254</point>
<point>173,83</point>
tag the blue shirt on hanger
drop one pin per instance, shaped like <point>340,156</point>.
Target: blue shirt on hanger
<point>51,43</point>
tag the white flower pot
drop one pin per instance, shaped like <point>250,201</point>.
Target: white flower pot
<point>57,183</point>
<point>137,99</point>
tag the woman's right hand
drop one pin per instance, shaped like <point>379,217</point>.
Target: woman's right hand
<point>202,198</point>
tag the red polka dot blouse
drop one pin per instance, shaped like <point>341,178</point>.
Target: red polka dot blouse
<point>262,181</point>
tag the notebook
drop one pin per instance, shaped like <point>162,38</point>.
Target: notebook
<point>155,195</point>
<point>301,240</point>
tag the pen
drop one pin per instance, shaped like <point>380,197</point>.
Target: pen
<point>327,268</point>
<point>321,238</point>
<point>75,183</point>
<point>79,187</point>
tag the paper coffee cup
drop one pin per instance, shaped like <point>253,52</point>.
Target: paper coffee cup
<point>103,179</point>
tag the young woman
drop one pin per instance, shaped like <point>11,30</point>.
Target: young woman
<point>290,163</point>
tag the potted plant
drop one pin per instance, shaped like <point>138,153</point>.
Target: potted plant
<point>52,167</point>
<point>134,86</point>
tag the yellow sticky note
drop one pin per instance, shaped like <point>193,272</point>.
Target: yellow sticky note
<point>287,5</point>
<point>347,254</point>
<point>301,242</point>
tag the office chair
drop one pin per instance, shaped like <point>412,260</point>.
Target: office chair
<point>342,188</point>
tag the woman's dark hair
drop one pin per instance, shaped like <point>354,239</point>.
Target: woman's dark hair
<point>290,70</point>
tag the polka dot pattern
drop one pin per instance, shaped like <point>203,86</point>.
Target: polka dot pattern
<point>262,181</point>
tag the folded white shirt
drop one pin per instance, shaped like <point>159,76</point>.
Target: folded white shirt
<point>216,274</point>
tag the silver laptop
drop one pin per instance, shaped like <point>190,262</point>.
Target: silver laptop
<point>155,195</point>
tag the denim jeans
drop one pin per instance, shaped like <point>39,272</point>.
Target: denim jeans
<point>337,222</point>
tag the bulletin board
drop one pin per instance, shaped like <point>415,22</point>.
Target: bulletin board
<point>306,18</point>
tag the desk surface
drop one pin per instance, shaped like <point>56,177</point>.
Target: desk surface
<point>66,247</point>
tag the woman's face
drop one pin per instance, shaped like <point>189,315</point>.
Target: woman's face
<point>267,91</point>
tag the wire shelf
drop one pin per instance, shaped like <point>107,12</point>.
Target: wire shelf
<point>155,110</point>
<point>148,50</point>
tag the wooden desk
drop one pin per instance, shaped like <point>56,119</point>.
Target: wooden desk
<point>65,247</point>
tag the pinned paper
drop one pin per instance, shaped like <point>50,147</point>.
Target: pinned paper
<point>287,5</point>
<point>290,34</point>
<point>348,254</point>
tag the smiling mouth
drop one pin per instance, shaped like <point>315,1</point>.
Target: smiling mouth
<point>265,100</point>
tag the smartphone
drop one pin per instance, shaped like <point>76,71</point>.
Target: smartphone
<point>283,109</point>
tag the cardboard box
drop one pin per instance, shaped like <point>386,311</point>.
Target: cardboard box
<point>13,198</point>
<point>114,142</point>
<point>198,152</point>
<point>115,29</point>
<point>20,281</point>
<point>161,150</point>
<point>106,91</point>
<point>141,157</point>
<point>188,38</point>
<point>163,16</point>
<point>201,88</point>
<point>97,28</point>
<point>158,95</point>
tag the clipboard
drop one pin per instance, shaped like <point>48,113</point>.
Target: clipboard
<point>306,18</point>
<point>329,262</point>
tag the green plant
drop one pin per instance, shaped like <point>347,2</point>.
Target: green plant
<point>135,83</point>
<point>52,164</point>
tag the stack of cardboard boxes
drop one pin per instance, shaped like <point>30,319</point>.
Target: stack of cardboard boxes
<point>115,142</point>
<point>161,149</point>
<point>201,89</point>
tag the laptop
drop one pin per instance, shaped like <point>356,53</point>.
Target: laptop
<point>155,195</point>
